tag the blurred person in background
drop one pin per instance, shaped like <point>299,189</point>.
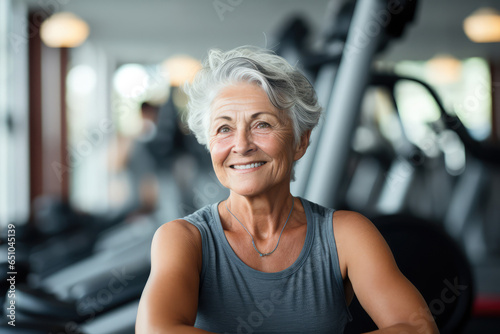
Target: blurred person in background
<point>264,261</point>
<point>141,161</point>
<point>138,189</point>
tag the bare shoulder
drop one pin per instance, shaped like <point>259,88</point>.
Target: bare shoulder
<point>174,237</point>
<point>175,229</point>
<point>351,224</point>
<point>356,236</point>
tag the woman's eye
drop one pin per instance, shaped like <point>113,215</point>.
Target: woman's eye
<point>223,129</point>
<point>263,125</point>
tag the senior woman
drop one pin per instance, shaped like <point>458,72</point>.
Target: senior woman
<point>264,261</point>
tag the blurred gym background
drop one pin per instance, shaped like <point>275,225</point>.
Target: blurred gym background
<point>95,154</point>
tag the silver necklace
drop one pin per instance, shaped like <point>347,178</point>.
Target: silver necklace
<point>253,242</point>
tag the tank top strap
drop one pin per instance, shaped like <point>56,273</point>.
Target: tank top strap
<point>323,218</point>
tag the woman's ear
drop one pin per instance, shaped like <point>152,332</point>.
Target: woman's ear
<point>302,146</point>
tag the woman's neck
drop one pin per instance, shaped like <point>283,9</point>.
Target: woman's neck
<point>263,215</point>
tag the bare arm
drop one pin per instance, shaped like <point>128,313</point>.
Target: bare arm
<point>169,301</point>
<point>392,302</point>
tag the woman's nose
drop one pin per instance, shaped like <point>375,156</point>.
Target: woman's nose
<point>243,142</point>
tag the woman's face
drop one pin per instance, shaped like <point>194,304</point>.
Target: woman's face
<point>251,142</point>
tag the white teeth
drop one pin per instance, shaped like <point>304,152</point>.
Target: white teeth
<point>258,164</point>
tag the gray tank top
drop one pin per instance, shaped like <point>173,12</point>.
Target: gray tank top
<point>307,297</point>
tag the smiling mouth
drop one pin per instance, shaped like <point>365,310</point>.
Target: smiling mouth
<point>248,166</point>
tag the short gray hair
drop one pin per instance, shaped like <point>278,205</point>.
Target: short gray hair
<point>287,88</point>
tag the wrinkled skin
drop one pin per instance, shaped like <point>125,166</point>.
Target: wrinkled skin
<point>246,128</point>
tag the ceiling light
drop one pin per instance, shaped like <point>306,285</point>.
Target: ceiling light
<point>483,26</point>
<point>180,69</point>
<point>444,69</point>
<point>64,30</point>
